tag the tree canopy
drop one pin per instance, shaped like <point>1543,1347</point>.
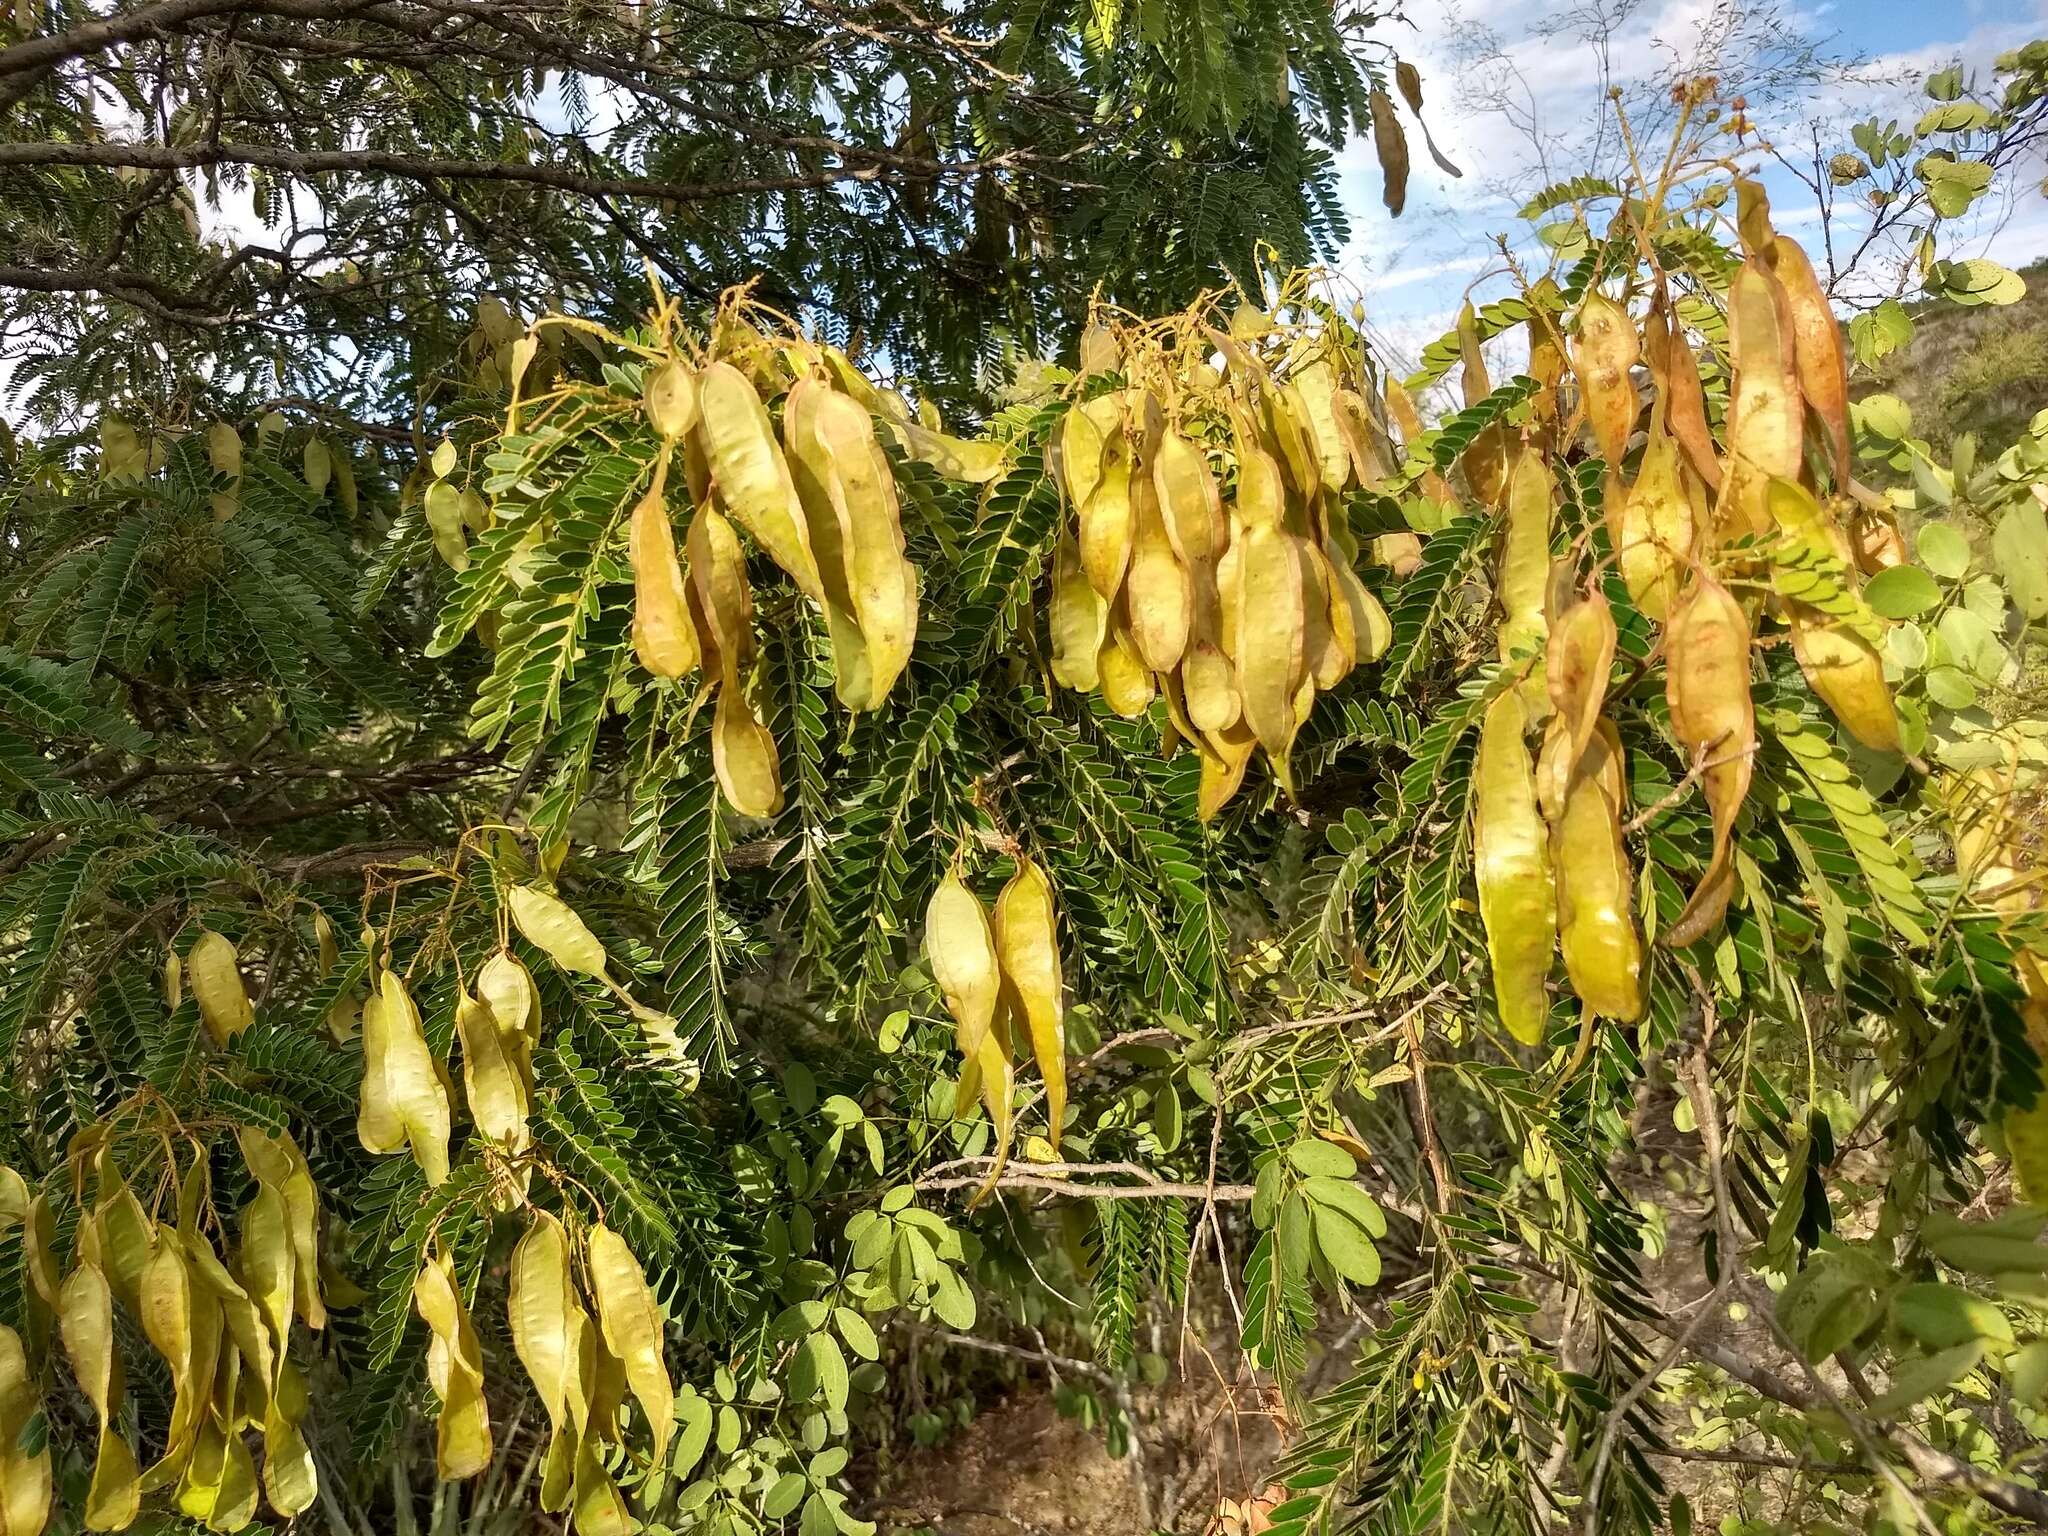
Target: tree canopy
<point>630,813</point>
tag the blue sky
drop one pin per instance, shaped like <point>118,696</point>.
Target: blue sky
<point>1414,271</point>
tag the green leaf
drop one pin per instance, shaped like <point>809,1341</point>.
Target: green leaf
<point>1344,1244</point>
<point>1883,416</point>
<point>693,1432</point>
<point>2005,1246</point>
<point>783,1498</point>
<point>1944,549</point>
<point>1924,1375</point>
<point>2019,554</point>
<point>1940,1316</point>
<point>1342,1195</point>
<point>1901,592</point>
<point>1319,1157</point>
<point>1879,332</point>
<point>1976,281</point>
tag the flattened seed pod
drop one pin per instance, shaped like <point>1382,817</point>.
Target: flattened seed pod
<point>1224,755</point>
<point>1675,374</point>
<point>961,948</point>
<point>455,1370</point>
<point>1272,636</point>
<point>1078,619</point>
<point>405,1074</point>
<point>1595,902</point>
<point>671,399</point>
<point>1576,666</point>
<point>85,1315</point>
<point>1525,557</point>
<point>630,1322</point>
<point>1847,673</point>
<point>718,580</point>
<point>663,636</point>
<point>492,1079</point>
<point>549,1328</point>
<point>1157,588</point>
<point>750,474</point>
<point>1603,353</point>
<point>1486,456</point>
<point>1026,932</point>
<point>743,757</point>
<point>25,1484</point>
<point>1312,394</point>
<point>1707,684</point>
<point>1817,349</point>
<point>1127,687</point>
<point>1765,417</point>
<point>1189,505</point>
<point>554,928</point>
<point>1511,857</point>
<point>1650,524</point>
<point>1107,523</point>
<point>215,972</point>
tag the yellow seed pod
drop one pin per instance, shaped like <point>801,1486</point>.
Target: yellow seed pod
<point>1158,589</point>
<point>1077,617</point>
<point>1511,857</point>
<point>276,1159</point>
<point>1261,490</point>
<point>492,1079</point>
<point>1078,448</point>
<point>1224,755</point>
<point>599,1508</point>
<point>442,508</point>
<point>1706,682</point>
<point>85,1313</point>
<point>1287,436</point>
<point>403,1101</point>
<point>849,501</point>
<point>1372,630</point>
<point>1099,350</point>
<point>960,948</point>
<point>1127,687</point>
<point>671,399</point>
<point>1682,400</point>
<point>1107,526</point>
<point>549,1334</point>
<point>267,1264</point>
<point>1209,682</point>
<point>507,986</point>
<point>1818,355</point>
<point>1650,524</point>
<point>1595,902</point>
<point>1027,948</point>
<point>1525,558</point>
<point>290,1482</point>
<point>551,926</point>
<point>1485,458</point>
<point>214,970</point>
<point>24,1477</point>
<point>1766,420</point>
<point>1331,637</point>
<point>750,474</point>
<point>1186,495</point>
<point>1364,441</point>
<point>455,1370</point>
<point>1848,674</point>
<point>1312,396</point>
<point>1272,636</point>
<point>1577,661</point>
<point>664,638</point>
<point>743,757</point>
<point>244,1323</point>
<point>1603,353</point>
<point>630,1323</point>
<point>224,449</point>
<point>722,605</point>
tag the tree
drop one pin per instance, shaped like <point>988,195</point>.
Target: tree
<point>740,875</point>
<point>939,183</point>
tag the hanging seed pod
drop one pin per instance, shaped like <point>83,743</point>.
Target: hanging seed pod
<point>455,1370</point>
<point>1224,755</point>
<point>1603,353</point>
<point>961,950</point>
<point>85,1313</point>
<point>492,1080</point>
<point>442,507</point>
<point>1846,672</point>
<point>1157,588</point>
<point>24,1476</point>
<point>1078,619</point>
<point>1127,687</point>
<point>750,474</point>
<point>1707,684</point>
<point>743,757</point>
<point>1651,523</point>
<point>1486,457</point>
<point>663,636</point>
<point>630,1322</point>
<point>1261,500</point>
<point>550,1334</point>
<point>1027,946</point>
<point>1577,662</point>
<point>1595,902</point>
<point>671,400</point>
<point>723,605</point>
<point>1766,421</point>
<point>1107,525</point>
<point>403,1102</point>
<point>214,970</point>
<point>505,984</point>
<point>1675,375</point>
<point>1817,351</point>
<point>275,1159</point>
<point>1312,392</point>
<point>1525,558</point>
<point>1272,637</point>
<point>1185,492</point>
<point>1511,856</point>
<point>551,926</point>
